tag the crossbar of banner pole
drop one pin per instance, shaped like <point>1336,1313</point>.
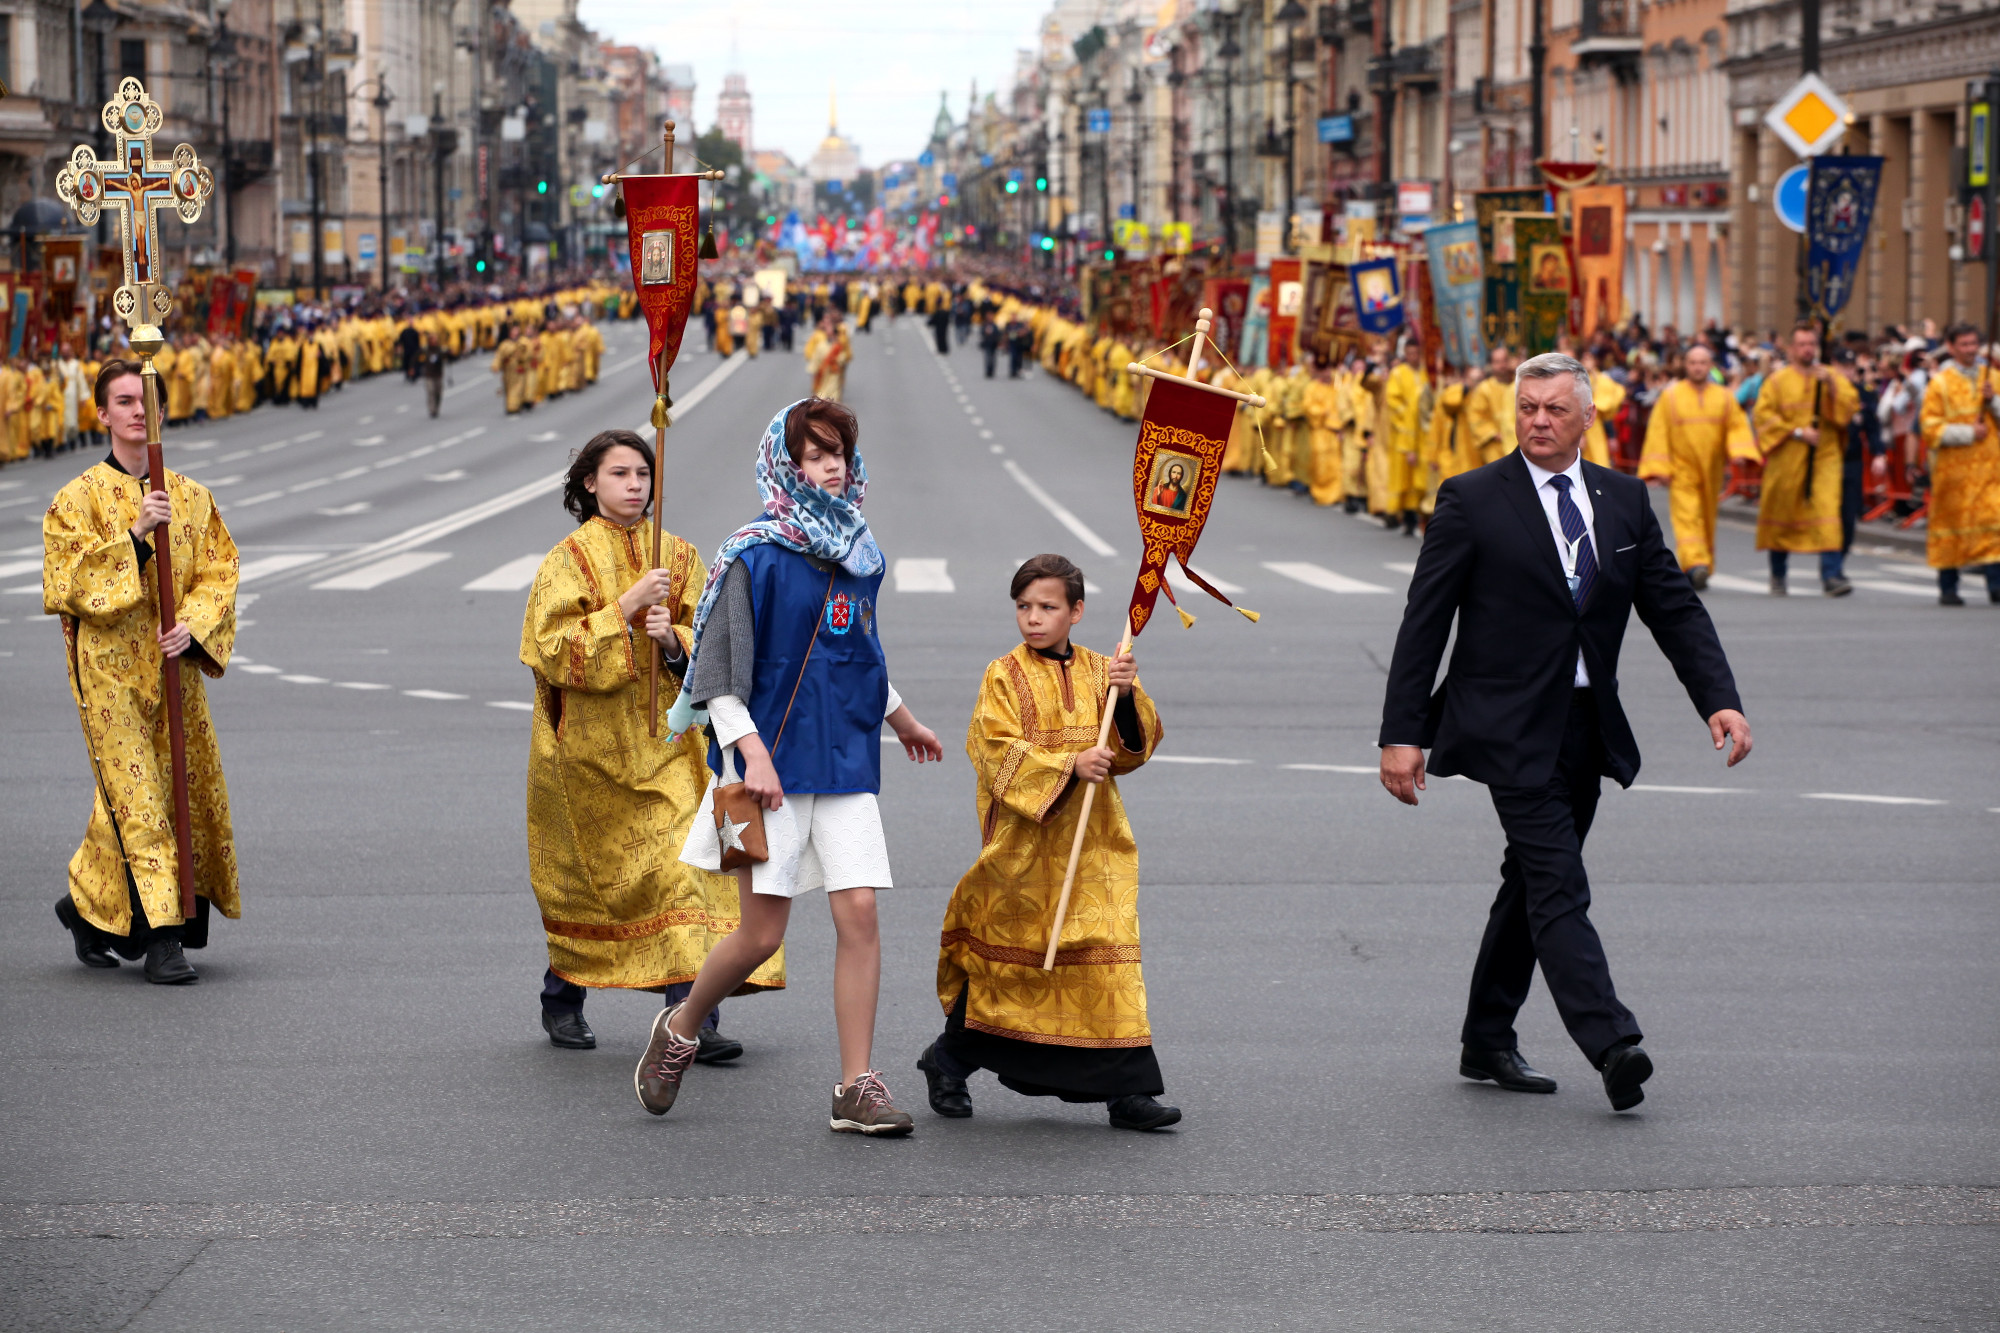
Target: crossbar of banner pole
<point>1134,368</point>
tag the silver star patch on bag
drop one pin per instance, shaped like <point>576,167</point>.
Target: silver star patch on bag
<point>730,834</point>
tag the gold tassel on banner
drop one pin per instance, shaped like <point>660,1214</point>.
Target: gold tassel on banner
<point>708,237</point>
<point>1248,614</point>
<point>1187,621</point>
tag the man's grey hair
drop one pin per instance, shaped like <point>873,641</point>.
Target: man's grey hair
<point>1549,365</point>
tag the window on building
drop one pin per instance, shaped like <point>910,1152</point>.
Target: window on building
<point>132,58</point>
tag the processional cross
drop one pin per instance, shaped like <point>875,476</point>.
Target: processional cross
<point>139,187</point>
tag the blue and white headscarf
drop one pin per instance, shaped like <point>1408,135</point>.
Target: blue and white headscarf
<point>798,516</point>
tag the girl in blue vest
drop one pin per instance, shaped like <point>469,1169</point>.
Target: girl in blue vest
<point>788,667</point>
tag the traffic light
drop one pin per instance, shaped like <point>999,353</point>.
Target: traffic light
<point>1041,182</point>
<point>478,266</point>
<point>597,191</point>
<point>1048,242</point>
<point>944,201</point>
<point>541,187</point>
<point>1110,256</point>
<point>1013,187</point>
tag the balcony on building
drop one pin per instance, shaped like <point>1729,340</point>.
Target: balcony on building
<point>1608,38</point>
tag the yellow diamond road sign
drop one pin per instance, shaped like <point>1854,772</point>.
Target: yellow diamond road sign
<point>1810,118</point>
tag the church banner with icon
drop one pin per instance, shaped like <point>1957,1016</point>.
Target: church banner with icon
<point>1840,203</point>
<point>1181,442</point>
<point>1500,303</point>
<point>1378,295</point>
<point>1457,289</point>
<point>1288,292</point>
<point>1543,281</point>
<point>1597,225</point>
<point>661,219</point>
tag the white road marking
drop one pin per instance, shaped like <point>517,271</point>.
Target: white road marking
<point>1907,589</point>
<point>370,441</point>
<point>456,474</point>
<point>1871,800</point>
<point>510,703</point>
<point>1333,768</point>
<point>923,576</point>
<point>222,481</point>
<point>305,680</point>
<point>431,694</point>
<point>265,565</point>
<point>382,571</point>
<point>311,485</point>
<point>1923,572</point>
<point>1690,791</point>
<point>684,405</point>
<point>987,435</point>
<point>342,511</point>
<point>1063,516</point>
<point>359,685</point>
<point>1401,566</point>
<point>513,576</point>
<point>544,437</point>
<point>261,669</point>
<point>354,472</point>
<point>1197,759</point>
<point>25,589</point>
<point>306,438</point>
<point>13,567</point>
<point>1182,583</point>
<point>1731,583</point>
<point>1313,576</point>
<point>196,444</point>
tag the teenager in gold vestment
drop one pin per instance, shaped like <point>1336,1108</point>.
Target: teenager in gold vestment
<point>98,576</point>
<point>609,805</point>
<point>1079,1031</point>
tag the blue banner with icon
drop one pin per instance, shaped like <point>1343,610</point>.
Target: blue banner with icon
<point>1458,280</point>
<point>1378,295</point>
<point>1840,202</point>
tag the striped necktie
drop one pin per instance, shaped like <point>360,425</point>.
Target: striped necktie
<point>1578,536</point>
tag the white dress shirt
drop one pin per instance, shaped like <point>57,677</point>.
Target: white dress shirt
<point>1579,493</point>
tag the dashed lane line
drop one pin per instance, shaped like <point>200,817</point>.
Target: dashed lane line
<point>913,575</point>
<point>1316,576</point>
<point>1077,527</point>
<point>1871,800</point>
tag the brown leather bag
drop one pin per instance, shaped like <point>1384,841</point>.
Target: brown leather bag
<point>739,816</point>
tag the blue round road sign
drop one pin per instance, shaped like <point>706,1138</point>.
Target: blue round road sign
<point>1789,199</point>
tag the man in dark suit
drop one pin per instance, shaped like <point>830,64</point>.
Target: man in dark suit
<point>1542,558</point>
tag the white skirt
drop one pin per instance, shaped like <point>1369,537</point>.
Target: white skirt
<point>832,842</point>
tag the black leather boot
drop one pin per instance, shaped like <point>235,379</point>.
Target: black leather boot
<point>91,950</point>
<point>949,1096</point>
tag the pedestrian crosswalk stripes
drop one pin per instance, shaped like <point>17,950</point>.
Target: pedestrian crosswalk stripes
<point>514,576</point>
<point>265,565</point>
<point>912,575</point>
<point>1315,576</point>
<point>13,567</point>
<point>382,571</point>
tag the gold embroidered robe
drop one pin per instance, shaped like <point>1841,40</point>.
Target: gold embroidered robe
<point>609,806</point>
<point>1692,434</point>
<point>91,577</point>
<point>1032,719</point>
<point>1964,519</point>
<point>1787,518</point>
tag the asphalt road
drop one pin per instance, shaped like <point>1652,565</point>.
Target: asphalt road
<point>355,1121</point>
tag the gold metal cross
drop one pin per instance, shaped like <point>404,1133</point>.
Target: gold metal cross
<point>138,187</point>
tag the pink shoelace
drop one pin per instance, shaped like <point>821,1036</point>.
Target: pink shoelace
<point>674,1061</point>
<point>870,1088</point>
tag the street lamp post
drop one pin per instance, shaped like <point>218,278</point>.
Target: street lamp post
<point>225,67</point>
<point>383,97</point>
<point>1291,15</point>
<point>1135,97</point>
<point>1231,52</point>
<point>437,181</point>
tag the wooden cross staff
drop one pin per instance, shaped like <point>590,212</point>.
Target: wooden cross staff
<point>138,187</point>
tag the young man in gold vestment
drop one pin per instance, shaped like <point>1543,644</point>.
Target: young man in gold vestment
<point>1801,422</point>
<point>97,575</point>
<point>1961,409</point>
<point>1696,428</point>
<point>1078,1032</point>
<point>608,804</point>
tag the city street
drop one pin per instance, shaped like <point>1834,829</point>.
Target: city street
<point>355,1121</point>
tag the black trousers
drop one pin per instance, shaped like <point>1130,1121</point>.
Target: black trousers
<point>1542,914</point>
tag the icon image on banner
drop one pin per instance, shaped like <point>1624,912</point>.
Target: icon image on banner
<point>656,259</point>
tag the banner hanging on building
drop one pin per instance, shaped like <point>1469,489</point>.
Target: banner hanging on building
<point>1458,287</point>
<point>1181,442</point>
<point>661,215</point>
<point>1378,295</point>
<point>1840,202</point>
<point>1597,222</point>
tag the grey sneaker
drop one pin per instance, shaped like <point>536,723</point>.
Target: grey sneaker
<point>863,1107</point>
<point>657,1080</point>
<point>1836,587</point>
<point>1778,588</point>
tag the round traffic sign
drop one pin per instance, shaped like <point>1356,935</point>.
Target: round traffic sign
<point>1789,198</point>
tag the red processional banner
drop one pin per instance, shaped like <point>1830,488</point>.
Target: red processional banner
<point>661,215</point>
<point>1181,443</point>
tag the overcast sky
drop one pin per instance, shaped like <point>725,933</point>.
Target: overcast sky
<point>888,59</point>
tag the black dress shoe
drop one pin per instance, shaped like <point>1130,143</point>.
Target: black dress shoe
<point>716,1049</point>
<point>1506,1068</point>
<point>949,1096</point>
<point>1625,1068</point>
<point>166,965</point>
<point>91,950</point>
<point>1141,1112</point>
<point>568,1030</point>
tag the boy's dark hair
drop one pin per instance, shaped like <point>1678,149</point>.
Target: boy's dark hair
<point>584,464</point>
<point>827,424</point>
<point>112,370</point>
<point>1048,567</point>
